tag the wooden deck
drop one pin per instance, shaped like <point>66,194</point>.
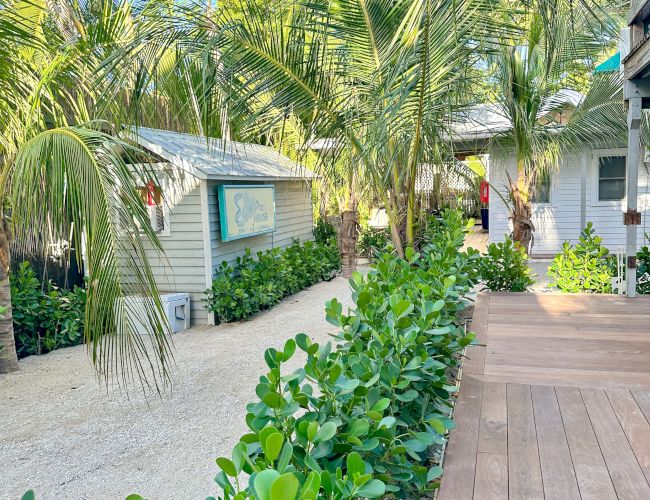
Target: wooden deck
<point>477,239</point>
<point>556,404</point>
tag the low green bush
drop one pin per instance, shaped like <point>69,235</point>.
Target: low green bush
<point>256,283</point>
<point>584,267</point>
<point>370,417</point>
<point>45,317</point>
<point>643,270</point>
<point>324,233</point>
<point>504,267</point>
<point>372,241</point>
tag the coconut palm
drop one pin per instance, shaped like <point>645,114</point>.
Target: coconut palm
<point>556,50</point>
<point>375,77</point>
<point>65,172</point>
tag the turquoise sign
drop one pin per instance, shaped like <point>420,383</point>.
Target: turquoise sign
<point>246,210</point>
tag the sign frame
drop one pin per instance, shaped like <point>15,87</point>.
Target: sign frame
<point>223,214</point>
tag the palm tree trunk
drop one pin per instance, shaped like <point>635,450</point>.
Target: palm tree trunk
<point>348,235</point>
<point>522,224</point>
<point>8,357</point>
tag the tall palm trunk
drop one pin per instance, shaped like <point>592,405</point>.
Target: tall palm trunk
<point>522,224</point>
<point>8,357</point>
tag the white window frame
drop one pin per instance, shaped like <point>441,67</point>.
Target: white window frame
<point>163,184</point>
<point>595,172</point>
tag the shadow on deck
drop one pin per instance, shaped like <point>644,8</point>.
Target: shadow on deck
<point>556,404</point>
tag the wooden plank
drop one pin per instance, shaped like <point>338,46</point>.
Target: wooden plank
<point>555,461</point>
<point>493,427</point>
<point>524,472</point>
<point>475,354</point>
<point>565,376</point>
<point>491,481</point>
<point>626,474</point>
<point>460,458</point>
<point>642,398</point>
<point>634,424</point>
<point>590,469</point>
<point>636,363</point>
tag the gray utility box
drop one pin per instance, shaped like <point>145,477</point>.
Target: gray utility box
<point>175,305</point>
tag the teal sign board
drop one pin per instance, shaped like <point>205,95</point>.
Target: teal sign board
<point>246,210</point>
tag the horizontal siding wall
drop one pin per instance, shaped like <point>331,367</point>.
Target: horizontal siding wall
<point>182,268</point>
<point>293,215</point>
<point>559,221</point>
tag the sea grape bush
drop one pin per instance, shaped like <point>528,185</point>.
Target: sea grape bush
<point>45,316</point>
<point>372,241</point>
<point>585,267</point>
<point>324,233</point>
<point>504,267</point>
<point>369,417</point>
<point>258,282</point>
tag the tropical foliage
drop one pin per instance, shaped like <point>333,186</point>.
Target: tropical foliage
<point>45,317</point>
<point>369,417</point>
<point>540,74</point>
<point>63,100</point>
<point>372,241</point>
<point>643,270</point>
<point>584,267</point>
<point>504,267</point>
<point>253,284</point>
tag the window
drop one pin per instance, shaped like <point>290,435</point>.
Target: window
<point>152,198</point>
<point>611,178</point>
<point>542,189</point>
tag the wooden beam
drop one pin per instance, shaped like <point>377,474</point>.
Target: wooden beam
<point>633,160</point>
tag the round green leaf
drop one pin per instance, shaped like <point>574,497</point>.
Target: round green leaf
<point>227,466</point>
<point>285,487</point>
<point>326,432</point>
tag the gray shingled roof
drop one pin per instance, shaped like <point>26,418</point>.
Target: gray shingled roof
<point>208,159</point>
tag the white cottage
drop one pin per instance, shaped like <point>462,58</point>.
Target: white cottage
<point>589,186</point>
<point>216,202</point>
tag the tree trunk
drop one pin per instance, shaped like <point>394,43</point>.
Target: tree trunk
<point>348,235</point>
<point>522,224</point>
<point>322,203</point>
<point>8,357</point>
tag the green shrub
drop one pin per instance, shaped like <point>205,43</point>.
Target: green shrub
<point>372,241</point>
<point>585,267</point>
<point>504,267</point>
<point>324,233</point>
<point>45,317</point>
<point>643,270</point>
<point>370,417</point>
<point>254,284</point>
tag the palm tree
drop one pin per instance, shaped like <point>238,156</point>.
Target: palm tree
<point>555,50</point>
<point>62,169</point>
<point>376,77</point>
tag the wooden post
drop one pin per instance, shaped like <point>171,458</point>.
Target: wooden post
<point>633,158</point>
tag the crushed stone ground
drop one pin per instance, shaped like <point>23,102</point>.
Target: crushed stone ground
<point>62,435</point>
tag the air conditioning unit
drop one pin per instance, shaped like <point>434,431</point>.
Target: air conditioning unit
<point>176,307</point>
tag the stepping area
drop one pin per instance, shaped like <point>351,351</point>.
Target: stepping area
<point>555,403</point>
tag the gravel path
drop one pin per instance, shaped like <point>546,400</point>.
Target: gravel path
<point>64,437</point>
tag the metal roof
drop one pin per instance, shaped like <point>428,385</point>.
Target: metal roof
<point>488,120</point>
<point>207,158</point>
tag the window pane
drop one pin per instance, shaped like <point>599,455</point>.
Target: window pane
<point>611,166</point>
<point>542,191</point>
<point>611,189</point>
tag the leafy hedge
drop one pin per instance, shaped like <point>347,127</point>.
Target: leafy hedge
<point>254,284</point>
<point>504,267</point>
<point>369,417</point>
<point>372,241</point>
<point>45,317</point>
<point>643,270</point>
<point>586,266</point>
